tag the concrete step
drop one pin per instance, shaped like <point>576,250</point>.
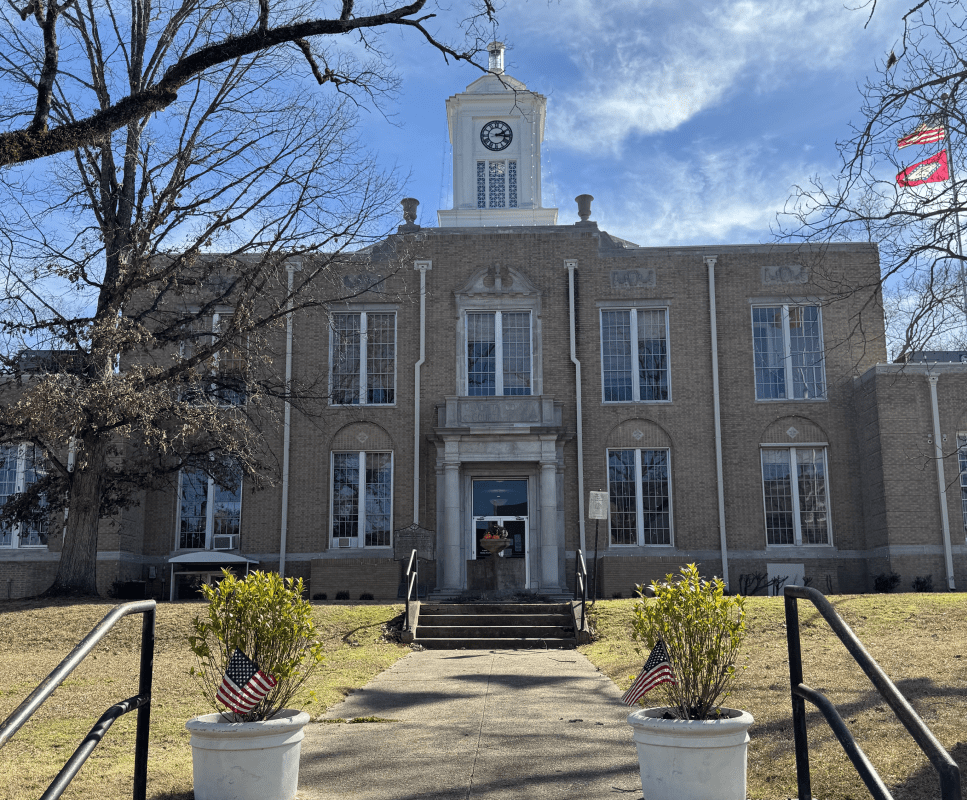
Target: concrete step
<point>432,607</point>
<point>495,632</point>
<point>489,625</point>
<point>514,620</point>
<point>497,644</point>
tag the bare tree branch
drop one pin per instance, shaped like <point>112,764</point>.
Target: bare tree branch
<point>39,139</point>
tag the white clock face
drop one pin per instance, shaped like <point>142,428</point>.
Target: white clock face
<point>496,135</point>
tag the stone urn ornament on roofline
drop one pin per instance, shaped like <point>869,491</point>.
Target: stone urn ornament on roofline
<point>692,748</point>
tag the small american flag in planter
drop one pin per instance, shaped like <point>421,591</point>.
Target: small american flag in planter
<point>657,670</point>
<point>244,684</point>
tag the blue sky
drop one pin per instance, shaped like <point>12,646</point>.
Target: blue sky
<point>689,122</point>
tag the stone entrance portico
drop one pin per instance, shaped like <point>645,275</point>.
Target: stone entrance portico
<point>497,438</point>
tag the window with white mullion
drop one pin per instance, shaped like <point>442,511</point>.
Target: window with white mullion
<point>634,355</point>
<point>363,358</point>
<point>206,509</point>
<point>962,460</point>
<point>362,497</point>
<point>640,497</point>
<point>795,495</point>
<point>20,466</point>
<point>498,353</point>
<point>788,352</point>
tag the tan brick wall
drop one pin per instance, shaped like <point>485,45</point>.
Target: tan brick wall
<point>378,577</point>
<point>873,432</point>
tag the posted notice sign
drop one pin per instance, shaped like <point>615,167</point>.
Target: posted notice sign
<point>598,506</point>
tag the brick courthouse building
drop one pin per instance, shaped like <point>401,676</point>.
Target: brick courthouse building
<point>733,403</point>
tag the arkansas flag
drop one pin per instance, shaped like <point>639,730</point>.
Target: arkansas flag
<point>932,170</point>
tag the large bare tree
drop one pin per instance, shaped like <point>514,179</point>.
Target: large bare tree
<point>189,38</point>
<point>918,228</point>
<point>147,273</point>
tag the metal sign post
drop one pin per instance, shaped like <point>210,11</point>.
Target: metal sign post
<point>597,510</point>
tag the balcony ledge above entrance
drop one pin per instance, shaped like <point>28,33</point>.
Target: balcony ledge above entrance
<point>516,414</point>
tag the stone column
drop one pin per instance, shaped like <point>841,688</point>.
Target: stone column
<point>450,552</point>
<point>550,546</point>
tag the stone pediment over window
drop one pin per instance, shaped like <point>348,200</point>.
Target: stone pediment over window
<point>498,280</point>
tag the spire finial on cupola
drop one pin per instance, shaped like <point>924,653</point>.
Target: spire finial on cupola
<point>496,52</point>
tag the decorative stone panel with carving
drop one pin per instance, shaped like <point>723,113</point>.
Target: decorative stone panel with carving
<point>787,273</point>
<point>633,279</point>
<point>363,282</point>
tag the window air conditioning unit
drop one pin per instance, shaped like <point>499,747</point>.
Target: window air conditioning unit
<point>346,541</point>
<point>225,541</point>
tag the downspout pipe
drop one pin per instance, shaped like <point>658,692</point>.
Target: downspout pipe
<point>717,411</point>
<point>423,267</point>
<point>571,264</point>
<point>287,421</point>
<point>941,482</point>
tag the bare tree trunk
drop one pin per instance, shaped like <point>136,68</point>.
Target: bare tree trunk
<point>76,573</point>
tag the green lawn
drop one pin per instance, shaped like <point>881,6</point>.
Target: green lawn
<point>35,637</point>
<point>919,639</point>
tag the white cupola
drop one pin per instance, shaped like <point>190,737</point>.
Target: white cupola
<point>496,129</point>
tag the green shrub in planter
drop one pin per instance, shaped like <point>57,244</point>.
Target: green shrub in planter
<point>702,628</point>
<point>265,617</point>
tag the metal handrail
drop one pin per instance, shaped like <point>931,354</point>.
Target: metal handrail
<point>141,701</point>
<point>412,580</point>
<point>581,585</point>
<point>946,767</point>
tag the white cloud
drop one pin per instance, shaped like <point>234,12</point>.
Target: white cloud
<point>648,68</point>
<point>716,196</point>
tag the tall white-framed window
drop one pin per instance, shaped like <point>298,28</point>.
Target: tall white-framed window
<point>634,355</point>
<point>208,512</point>
<point>20,466</point>
<point>962,461</point>
<point>795,495</point>
<point>498,353</point>
<point>788,344</point>
<point>362,499</point>
<point>497,184</point>
<point>363,358</point>
<point>639,489</point>
<point>222,376</point>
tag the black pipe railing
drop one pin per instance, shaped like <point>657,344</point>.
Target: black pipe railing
<point>141,701</point>
<point>946,767</point>
<point>412,582</point>
<point>581,585</point>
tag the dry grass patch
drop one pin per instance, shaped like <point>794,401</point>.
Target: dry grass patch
<point>920,641</point>
<point>35,637</point>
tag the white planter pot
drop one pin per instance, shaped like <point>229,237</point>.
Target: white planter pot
<point>246,760</point>
<point>691,759</point>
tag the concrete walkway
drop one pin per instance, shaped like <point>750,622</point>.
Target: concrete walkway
<point>477,725</point>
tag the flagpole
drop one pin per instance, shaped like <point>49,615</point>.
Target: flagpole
<point>953,186</point>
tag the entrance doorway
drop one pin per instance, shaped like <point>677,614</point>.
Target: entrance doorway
<point>502,503</point>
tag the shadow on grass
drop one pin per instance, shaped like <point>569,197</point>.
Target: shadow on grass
<point>915,690</point>
<point>924,784</point>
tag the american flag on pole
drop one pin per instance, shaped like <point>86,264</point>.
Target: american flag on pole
<point>244,684</point>
<point>657,670</point>
<point>927,132</point>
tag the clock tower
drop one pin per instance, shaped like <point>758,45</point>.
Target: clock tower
<point>496,129</point>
